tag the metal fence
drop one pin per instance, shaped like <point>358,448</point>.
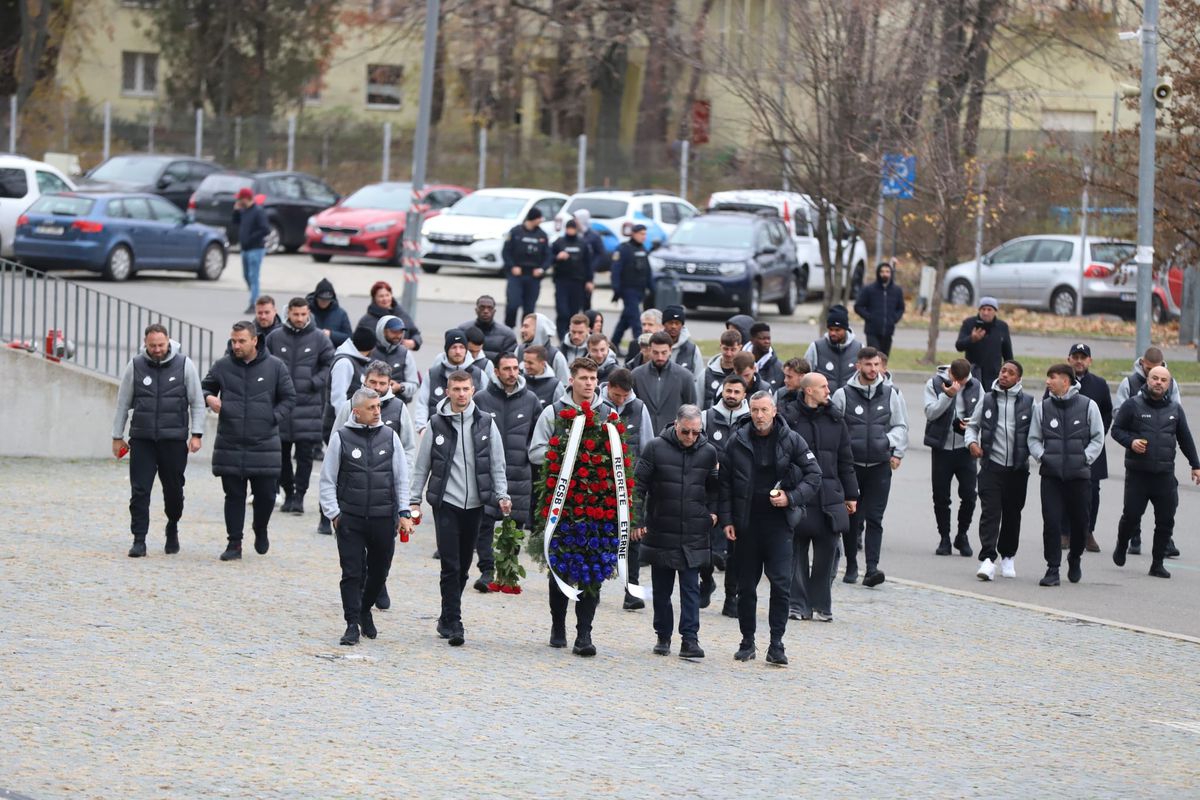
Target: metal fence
<point>67,321</point>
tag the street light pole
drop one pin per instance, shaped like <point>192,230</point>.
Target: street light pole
<point>1145,206</point>
<point>412,225</point>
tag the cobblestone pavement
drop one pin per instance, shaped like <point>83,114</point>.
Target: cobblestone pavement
<point>184,677</point>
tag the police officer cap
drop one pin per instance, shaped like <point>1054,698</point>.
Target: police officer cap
<point>637,229</point>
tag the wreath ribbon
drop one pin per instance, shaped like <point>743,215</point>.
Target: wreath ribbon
<point>559,501</point>
<point>617,451</point>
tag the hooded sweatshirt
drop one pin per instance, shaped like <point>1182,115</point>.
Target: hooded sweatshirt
<point>543,334</point>
<point>881,305</point>
<point>404,368</point>
<point>897,432</point>
<point>1132,383</point>
<point>462,484</point>
<point>406,432</point>
<point>426,401</point>
<point>767,367</point>
<point>342,374</point>
<point>545,424</point>
<point>191,381</point>
<point>720,421</point>
<point>938,402</point>
<point>1004,441</point>
<point>645,430</point>
<point>687,354</point>
<point>334,318</point>
<point>1091,452</point>
<point>710,382</point>
<point>742,322</point>
<point>331,467</point>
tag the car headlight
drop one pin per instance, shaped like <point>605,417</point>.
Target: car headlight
<point>376,227</point>
<point>732,268</point>
<point>312,222</point>
<point>657,262</point>
<point>483,237</point>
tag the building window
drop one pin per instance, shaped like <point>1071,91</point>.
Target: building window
<point>139,74</point>
<point>312,93</point>
<point>383,85</point>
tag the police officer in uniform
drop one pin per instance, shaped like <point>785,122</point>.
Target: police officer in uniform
<point>572,258</point>
<point>162,388</point>
<point>526,255</point>
<point>631,279</point>
<point>364,492</point>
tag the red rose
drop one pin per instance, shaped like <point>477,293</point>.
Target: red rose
<point>602,473</point>
<point>586,406</point>
<point>551,456</point>
<point>554,468</point>
<point>590,444</point>
<point>555,441</point>
<point>613,416</point>
<point>583,473</point>
<point>610,500</point>
<point>610,514</point>
<point>545,512</point>
<point>551,483</point>
<point>579,511</point>
<point>620,427</point>
<point>495,587</point>
<point>567,413</point>
<point>624,448</point>
<point>516,590</point>
<point>584,458</point>
<point>571,485</point>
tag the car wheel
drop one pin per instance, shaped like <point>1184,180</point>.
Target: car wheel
<point>1158,312</point>
<point>119,265</point>
<point>274,242</point>
<point>750,305</point>
<point>432,269</point>
<point>1062,302</point>
<point>321,258</point>
<point>961,293</point>
<point>212,264</point>
<point>787,303</point>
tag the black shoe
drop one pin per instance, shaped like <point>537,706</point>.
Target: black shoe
<point>689,649</point>
<point>943,548</point>
<point>172,545</point>
<point>775,655</point>
<point>286,506</point>
<point>745,651</point>
<point>663,646</point>
<point>583,645</point>
<point>444,629</point>
<point>1157,570</point>
<point>1050,578</point>
<point>729,609</point>
<point>233,552</point>
<point>261,543</point>
<point>323,527</point>
<point>458,636</point>
<point>1135,546</point>
<point>874,577</point>
<point>1074,573</point>
<point>1172,550</point>
<point>706,592</point>
<point>350,637</point>
<point>962,543</point>
<point>367,623</point>
<point>633,603</point>
<point>481,585</point>
<point>1119,552</point>
<point>851,575</point>
<point>383,602</point>
<point>298,505</point>
<point>138,550</point>
<point>558,635</point>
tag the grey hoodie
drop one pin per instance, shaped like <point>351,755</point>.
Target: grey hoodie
<point>342,373</point>
<point>462,486</point>
<point>1037,448</point>
<point>898,432</point>
<point>1006,425</point>
<point>407,430</point>
<point>937,402</point>
<point>647,424</point>
<point>333,463</point>
<point>421,408</point>
<point>410,381</point>
<point>545,425</point>
<point>191,381</point>
<point>1124,390</point>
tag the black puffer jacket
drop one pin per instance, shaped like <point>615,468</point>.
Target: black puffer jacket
<point>333,319</point>
<point>515,415</point>
<point>307,353</point>
<point>825,431</point>
<point>675,491</point>
<point>799,475</point>
<point>255,399</point>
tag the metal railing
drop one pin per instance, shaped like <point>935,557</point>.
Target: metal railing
<point>67,321</point>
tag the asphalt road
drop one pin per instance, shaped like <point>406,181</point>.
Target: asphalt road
<point>1127,595</point>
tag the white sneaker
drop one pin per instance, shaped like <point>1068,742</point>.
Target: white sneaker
<point>1007,568</point>
<point>987,570</point>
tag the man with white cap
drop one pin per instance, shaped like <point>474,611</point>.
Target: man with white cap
<point>985,341</point>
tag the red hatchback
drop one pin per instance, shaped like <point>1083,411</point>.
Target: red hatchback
<point>370,222</point>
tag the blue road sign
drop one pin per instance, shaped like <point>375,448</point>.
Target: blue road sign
<point>899,174</point>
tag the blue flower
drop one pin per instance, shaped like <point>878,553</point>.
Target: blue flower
<point>594,543</point>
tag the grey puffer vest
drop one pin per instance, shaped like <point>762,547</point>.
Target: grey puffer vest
<point>515,415</point>
<point>936,430</point>
<point>631,418</point>
<point>366,485</point>
<point>441,455</point>
<point>1065,435</point>
<point>868,421</point>
<point>1019,452</point>
<point>439,378</point>
<point>160,400</point>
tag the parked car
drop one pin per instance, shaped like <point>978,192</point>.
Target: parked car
<point>289,198</point>
<point>800,213</point>
<point>369,223</point>
<point>117,235</point>
<point>1046,272</point>
<point>23,180</point>
<point>471,232</point>
<point>174,177</point>
<point>616,212</point>
<point>732,259</point>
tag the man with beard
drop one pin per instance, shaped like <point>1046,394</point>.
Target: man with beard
<point>390,349</point>
<point>538,330</point>
<point>434,387</point>
<point>539,378</point>
<point>329,317</point>
<point>719,367</point>
<point>684,351</point>
<point>720,422</point>
<point>663,385</point>
<point>985,341</point>
<point>574,345</point>
<point>951,397</point>
<point>835,355</point>
<point>766,364</point>
<point>881,305</point>
<point>599,351</point>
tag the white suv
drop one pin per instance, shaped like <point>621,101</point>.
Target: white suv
<point>799,212</point>
<point>616,210</point>
<point>23,180</point>
<point>470,233</point>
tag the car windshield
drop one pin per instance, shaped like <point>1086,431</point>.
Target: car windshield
<point>598,207</point>
<point>1113,252</point>
<point>224,184</point>
<point>129,169</point>
<point>62,206</point>
<point>488,205</point>
<point>384,196</point>
<point>726,234</point>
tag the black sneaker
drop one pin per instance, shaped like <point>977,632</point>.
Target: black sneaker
<point>1172,550</point>
<point>874,577</point>
<point>851,575</point>
<point>350,637</point>
<point>1050,578</point>
<point>138,550</point>
<point>943,548</point>
<point>383,602</point>
<point>729,607</point>
<point>707,587</point>
<point>689,649</point>
<point>633,603</point>
<point>775,655</point>
<point>323,527</point>
<point>663,646</point>
<point>298,505</point>
<point>558,636</point>
<point>481,585</point>
<point>233,552</point>
<point>458,636</point>
<point>261,543</point>
<point>172,545</point>
<point>286,505</point>
<point>745,651</point>
<point>962,543</point>
<point>444,629</point>
<point>583,646</point>
<point>1157,570</point>
<point>367,623</point>
<point>1135,546</point>
<point>1074,572</point>
<point>1119,552</point>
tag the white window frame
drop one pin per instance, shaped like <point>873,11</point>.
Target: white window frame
<point>399,89</point>
<point>139,74</point>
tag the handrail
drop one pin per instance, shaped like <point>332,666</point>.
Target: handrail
<point>64,320</point>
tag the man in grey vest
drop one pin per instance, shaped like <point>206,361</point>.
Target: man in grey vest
<point>389,336</point>
<point>434,387</point>
<point>877,419</point>
<point>1149,426</point>
<point>951,397</point>
<point>162,388</point>
<point>345,378</point>
<point>1066,435</point>
<point>998,435</point>
<point>461,458</point>
<point>364,492</point>
<point>835,355</point>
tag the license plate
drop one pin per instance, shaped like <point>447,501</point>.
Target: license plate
<point>337,240</point>
<point>49,230</point>
<point>1128,297</point>
<point>450,248</point>
<point>696,287</point>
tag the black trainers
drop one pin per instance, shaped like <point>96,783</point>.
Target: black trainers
<point>261,543</point>
<point>367,623</point>
<point>233,552</point>
<point>1157,570</point>
<point>1119,552</point>
<point>663,646</point>
<point>481,584</point>
<point>1172,550</point>
<point>445,629</point>
<point>583,646</point>
<point>962,543</point>
<point>943,548</point>
<point>775,655</point>
<point>323,527</point>
<point>458,636</point>
<point>1135,546</point>
<point>172,545</point>
<point>633,603</point>
<point>138,550</point>
<point>298,505</point>
<point>745,651</point>
<point>729,608</point>
<point>286,505</point>
<point>1074,572</point>
<point>1050,578</point>
<point>851,575</point>
<point>383,602</point>
<point>350,637</point>
<point>689,649</point>
<point>874,577</point>
<point>558,635</point>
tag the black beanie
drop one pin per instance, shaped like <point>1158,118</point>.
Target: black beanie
<point>363,339</point>
<point>838,317</point>
<point>454,336</point>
